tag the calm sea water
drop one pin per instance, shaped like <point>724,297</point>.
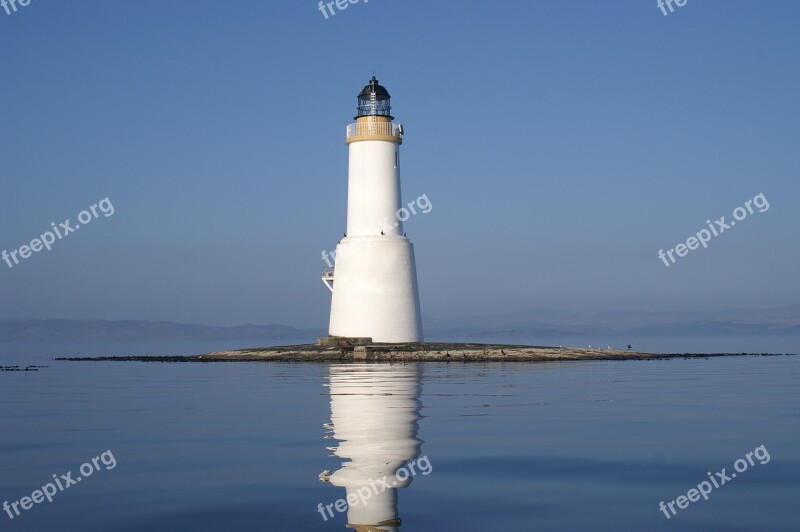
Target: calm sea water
<point>547,446</point>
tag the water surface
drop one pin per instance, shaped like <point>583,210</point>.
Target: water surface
<point>511,446</point>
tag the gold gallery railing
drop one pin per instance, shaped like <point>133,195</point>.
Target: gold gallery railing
<point>373,128</point>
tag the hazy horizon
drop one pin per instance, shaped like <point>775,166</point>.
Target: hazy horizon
<point>456,317</point>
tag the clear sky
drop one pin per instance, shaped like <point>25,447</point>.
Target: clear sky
<point>561,144</point>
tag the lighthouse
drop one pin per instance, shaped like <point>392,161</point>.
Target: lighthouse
<point>374,280</point>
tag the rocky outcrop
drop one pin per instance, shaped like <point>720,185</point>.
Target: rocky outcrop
<point>417,352</point>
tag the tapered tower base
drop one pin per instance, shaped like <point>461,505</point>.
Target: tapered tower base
<point>375,290</point>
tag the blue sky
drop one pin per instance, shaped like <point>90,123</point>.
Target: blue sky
<point>561,144</point>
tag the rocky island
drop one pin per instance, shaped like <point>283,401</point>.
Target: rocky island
<point>356,350</point>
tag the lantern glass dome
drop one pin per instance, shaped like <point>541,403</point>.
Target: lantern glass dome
<point>374,100</point>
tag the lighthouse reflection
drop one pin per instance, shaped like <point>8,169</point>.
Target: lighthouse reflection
<point>375,412</point>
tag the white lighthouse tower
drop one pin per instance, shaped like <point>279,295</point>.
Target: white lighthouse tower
<point>374,283</point>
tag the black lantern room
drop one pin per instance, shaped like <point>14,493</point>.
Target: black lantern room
<point>374,100</point>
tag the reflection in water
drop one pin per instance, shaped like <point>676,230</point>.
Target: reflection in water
<point>375,412</point>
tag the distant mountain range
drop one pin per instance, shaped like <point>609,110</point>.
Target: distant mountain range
<point>543,322</point>
<point>535,322</point>
<point>26,329</point>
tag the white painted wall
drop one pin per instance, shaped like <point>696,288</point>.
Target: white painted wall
<point>375,291</point>
<point>373,188</point>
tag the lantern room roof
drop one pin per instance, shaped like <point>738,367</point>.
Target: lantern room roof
<point>374,88</point>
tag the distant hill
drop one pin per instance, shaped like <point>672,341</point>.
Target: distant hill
<point>533,322</point>
<point>558,322</point>
<point>12,330</point>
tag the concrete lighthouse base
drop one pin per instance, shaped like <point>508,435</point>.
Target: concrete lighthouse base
<point>375,290</point>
